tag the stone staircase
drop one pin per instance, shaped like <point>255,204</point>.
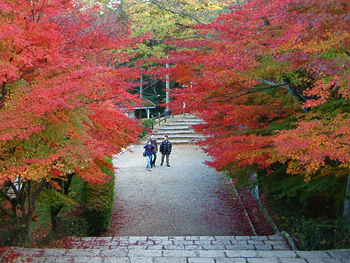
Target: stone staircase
<point>180,249</point>
<point>178,128</point>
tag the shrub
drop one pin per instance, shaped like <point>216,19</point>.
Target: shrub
<point>147,125</point>
<point>99,204</point>
<point>323,235</point>
<point>10,234</point>
<point>309,211</point>
<point>70,225</point>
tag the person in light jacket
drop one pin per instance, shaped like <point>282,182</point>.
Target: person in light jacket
<point>165,148</point>
<point>149,151</point>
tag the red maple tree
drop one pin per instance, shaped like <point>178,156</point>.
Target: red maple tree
<point>64,95</point>
<point>271,80</point>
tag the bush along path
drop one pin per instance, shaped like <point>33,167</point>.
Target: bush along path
<point>183,213</point>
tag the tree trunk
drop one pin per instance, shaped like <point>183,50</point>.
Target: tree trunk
<point>29,197</point>
<point>55,210</point>
<point>54,219</point>
<point>346,213</point>
<point>26,224</point>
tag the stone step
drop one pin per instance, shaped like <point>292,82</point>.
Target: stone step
<point>180,118</point>
<point>176,124</point>
<point>195,249</point>
<point>177,133</point>
<point>181,141</point>
<point>194,121</point>
<point>160,137</point>
<point>178,128</point>
<point>187,117</point>
<point>172,128</point>
<point>173,132</point>
<point>183,242</point>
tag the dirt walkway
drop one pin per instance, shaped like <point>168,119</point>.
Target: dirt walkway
<point>169,201</point>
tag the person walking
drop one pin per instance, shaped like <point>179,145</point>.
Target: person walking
<point>155,150</point>
<point>149,151</point>
<point>165,148</point>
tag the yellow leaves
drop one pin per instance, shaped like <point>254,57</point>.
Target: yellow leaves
<point>307,178</point>
<point>55,185</point>
<point>173,19</point>
<point>26,173</point>
<point>59,165</point>
<point>35,172</point>
<point>328,41</point>
<point>317,147</point>
<point>297,168</point>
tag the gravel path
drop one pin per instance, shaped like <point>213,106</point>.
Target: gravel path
<point>169,201</point>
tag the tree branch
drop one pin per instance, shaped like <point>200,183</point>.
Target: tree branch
<point>37,192</point>
<point>176,11</point>
<point>4,194</point>
<point>21,193</point>
<point>26,73</point>
<point>68,183</point>
<point>14,187</point>
<point>227,99</point>
<point>295,95</point>
<point>182,25</point>
<point>5,211</point>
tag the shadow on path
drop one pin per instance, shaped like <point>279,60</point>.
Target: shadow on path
<point>170,201</point>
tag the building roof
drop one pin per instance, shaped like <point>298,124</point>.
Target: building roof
<point>147,104</point>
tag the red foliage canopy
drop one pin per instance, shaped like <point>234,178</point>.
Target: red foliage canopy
<point>262,79</point>
<point>64,91</point>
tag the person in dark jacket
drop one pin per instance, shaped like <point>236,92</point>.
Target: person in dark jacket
<point>165,148</point>
<point>155,150</point>
<point>149,151</point>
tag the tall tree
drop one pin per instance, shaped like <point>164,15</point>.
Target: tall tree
<point>163,20</point>
<point>64,93</point>
<point>271,80</point>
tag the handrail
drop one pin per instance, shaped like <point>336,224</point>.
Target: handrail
<point>159,119</point>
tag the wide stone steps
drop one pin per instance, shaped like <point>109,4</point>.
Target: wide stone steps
<point>178,129</point>
<point>181,249</point>
<point>180,123</point>
<point>159,137</point>
<point>176,132</point>
<point>187,120</point>
<point>170,127</point>
<point>184,136</point>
